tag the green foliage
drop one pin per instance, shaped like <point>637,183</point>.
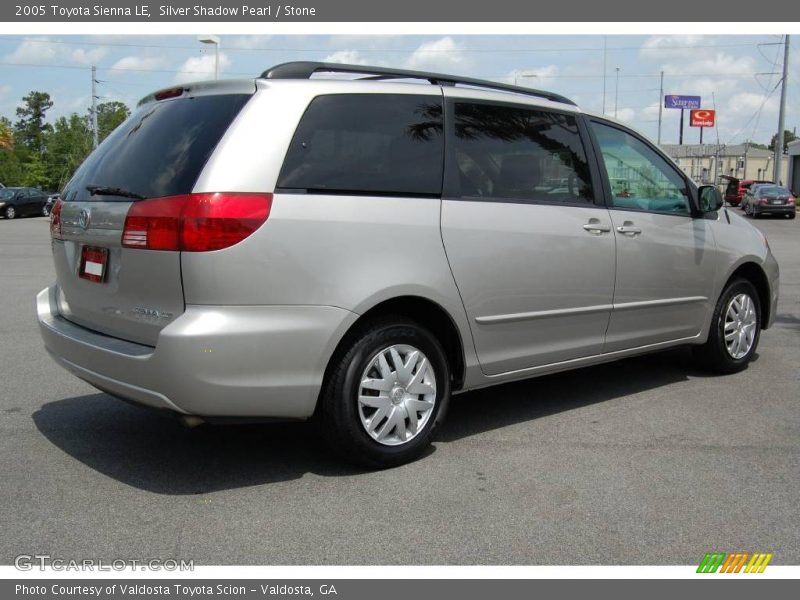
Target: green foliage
<point>788,136</point>
<point>110,115</point>
<point>36,153</point>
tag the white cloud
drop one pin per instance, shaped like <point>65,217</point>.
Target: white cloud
<point>247,42</point>
<point>373,41</point>
<point>670,47</point>
<point>133,63</point>
<point>198,68</point>
<point>351,57</point>
<point>440,55</point>
<point>626,114</point>
<point>539,77</point>
<point>41,51</point>
<point>86,57</point>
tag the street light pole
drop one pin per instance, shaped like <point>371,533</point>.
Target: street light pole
<point>212,39</point>
<point>616,94</point>
<point>605,57</point>
<point>660,106</point>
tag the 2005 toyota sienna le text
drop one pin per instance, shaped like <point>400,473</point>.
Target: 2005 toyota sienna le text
<point>358,250</point>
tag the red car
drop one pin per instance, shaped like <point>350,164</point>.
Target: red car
<point>737,188</point>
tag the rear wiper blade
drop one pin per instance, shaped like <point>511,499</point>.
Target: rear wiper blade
<point>105,190</point>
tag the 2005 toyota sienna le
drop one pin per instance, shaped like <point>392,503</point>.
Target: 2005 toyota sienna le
<point>358,250</point>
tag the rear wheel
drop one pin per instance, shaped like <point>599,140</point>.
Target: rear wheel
<point>45,211</point>
<point>10,212</point>
<point>735,329</point>
<point>385,394</point>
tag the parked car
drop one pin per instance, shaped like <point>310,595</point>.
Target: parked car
<point>302,248</point>
<point>737,188</point>
<point>769,199</point>
<point>23,202</point>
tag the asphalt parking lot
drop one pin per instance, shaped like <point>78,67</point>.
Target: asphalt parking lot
<point>644,461</point>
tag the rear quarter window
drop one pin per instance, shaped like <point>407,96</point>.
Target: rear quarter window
<point>368,144</point>
<point>160,149</point>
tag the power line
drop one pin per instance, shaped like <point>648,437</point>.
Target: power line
<point>231,48</point>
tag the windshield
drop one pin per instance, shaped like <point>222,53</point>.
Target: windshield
<point>773,191</point>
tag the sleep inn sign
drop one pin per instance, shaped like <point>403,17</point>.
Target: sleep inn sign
<point>687,102</point>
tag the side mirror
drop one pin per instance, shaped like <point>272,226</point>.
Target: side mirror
<point>710,198</point>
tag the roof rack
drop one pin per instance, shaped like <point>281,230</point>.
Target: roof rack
<point>305,69</point>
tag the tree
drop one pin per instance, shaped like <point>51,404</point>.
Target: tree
<point>110,115</point>
<point>31,127</point>
<point>788,136</point>
<point>6,138</point>
<point>33,173</point>
<point>69,143</point>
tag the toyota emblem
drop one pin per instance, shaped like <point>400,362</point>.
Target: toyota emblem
<point>84,218</point>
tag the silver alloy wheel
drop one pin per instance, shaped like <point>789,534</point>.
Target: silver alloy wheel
<point>740,325</point>
<point>10,212</point>
<point>396,395</point>
<point>46,211</point>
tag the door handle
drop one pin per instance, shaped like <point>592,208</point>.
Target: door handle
<point>629,229</point>
<point>594,226</point>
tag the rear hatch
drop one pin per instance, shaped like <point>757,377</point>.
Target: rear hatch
<point>132,293</point>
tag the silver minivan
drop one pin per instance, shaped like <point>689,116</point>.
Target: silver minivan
<point>357,251</point>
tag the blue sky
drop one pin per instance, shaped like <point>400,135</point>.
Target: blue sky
<point>736,69</point>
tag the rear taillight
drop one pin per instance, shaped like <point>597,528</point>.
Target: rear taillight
<point>763,201</point>
<point>55,220</point>
<point>194,222</point>
<point>791,200</point>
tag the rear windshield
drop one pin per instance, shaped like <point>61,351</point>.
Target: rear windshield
<point>160,150</point>
<point>773,190</point>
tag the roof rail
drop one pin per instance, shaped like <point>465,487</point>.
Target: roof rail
<point>305,69</point>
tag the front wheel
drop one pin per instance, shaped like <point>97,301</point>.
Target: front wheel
<point>385,394</point>
<point>10,212</point>
<point>735,329</point>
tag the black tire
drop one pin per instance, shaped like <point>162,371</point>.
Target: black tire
<point>714,355</point>
<point>337,413</point>
<point>10,213</point>
<point>792,215</point>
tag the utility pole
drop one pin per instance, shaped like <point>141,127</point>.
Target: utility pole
<point>716,129</point>
<point>782,114</point>
<point>94,107</point>
<point>616,94</point>
<point>680,135</point>
<point>660,106</point>
<point>605,58</point>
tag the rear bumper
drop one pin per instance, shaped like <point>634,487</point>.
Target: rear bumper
<point>225,361</point>
<point>777,209</point>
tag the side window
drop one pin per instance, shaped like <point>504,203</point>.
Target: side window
<point>506,152</point>
<point>367,143</point>
<point>640,178</point>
